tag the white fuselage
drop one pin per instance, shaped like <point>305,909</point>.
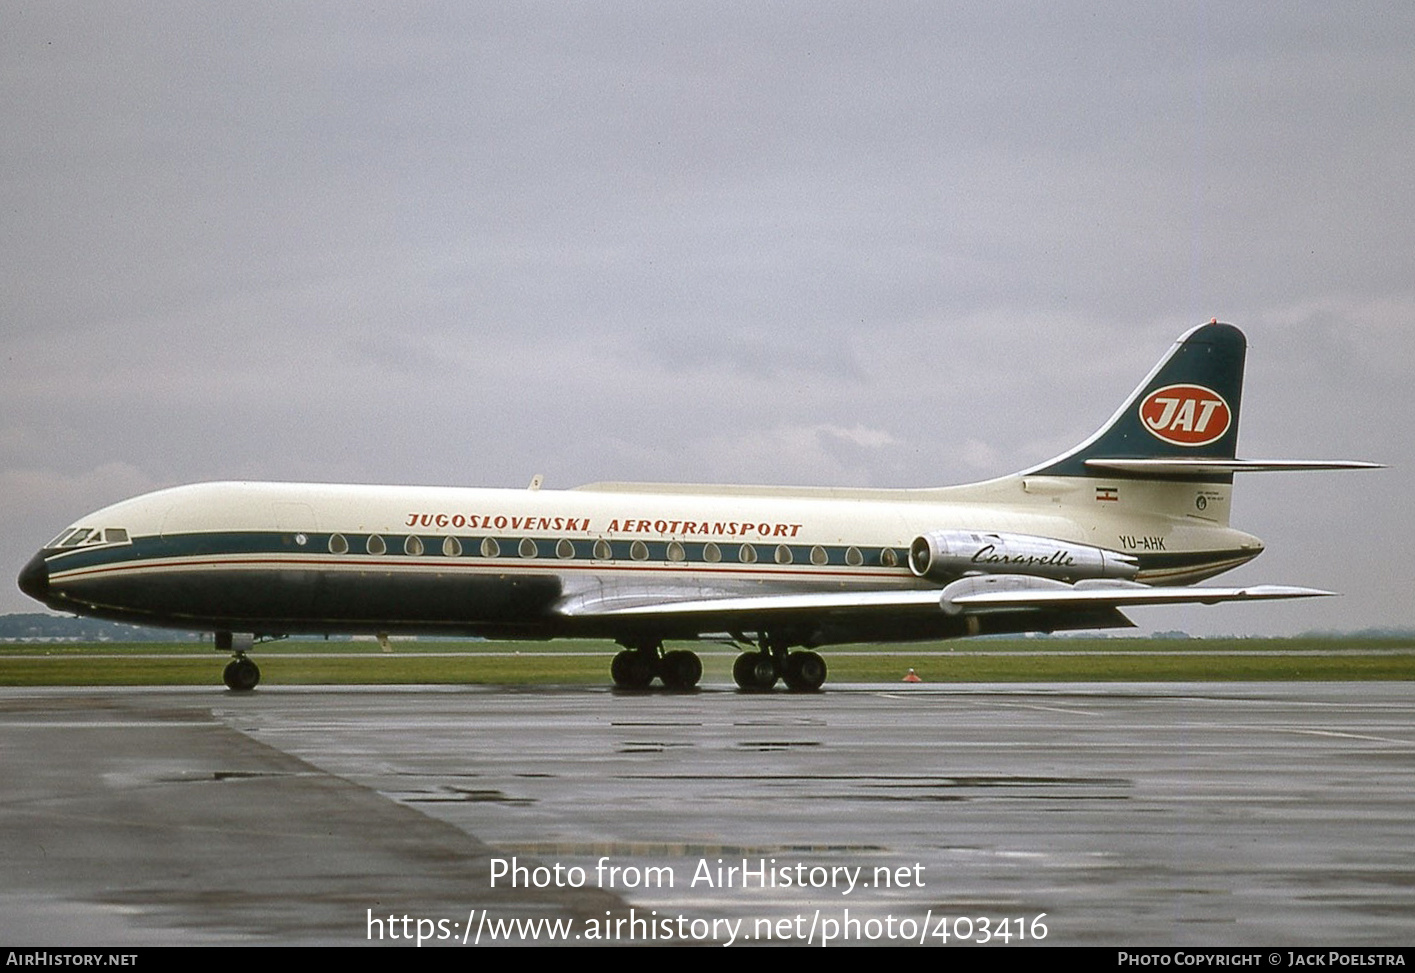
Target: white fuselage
<point>312,557</point>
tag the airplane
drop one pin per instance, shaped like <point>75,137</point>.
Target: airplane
<point>1134,515</point>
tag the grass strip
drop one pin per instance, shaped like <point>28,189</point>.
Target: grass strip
<point>578,662</point>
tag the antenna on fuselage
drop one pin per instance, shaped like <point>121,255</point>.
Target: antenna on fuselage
<point>536,481</point>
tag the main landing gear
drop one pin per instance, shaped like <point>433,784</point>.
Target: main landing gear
<point>638,665</point>
<point>757,671</point>
<point>240,674</point>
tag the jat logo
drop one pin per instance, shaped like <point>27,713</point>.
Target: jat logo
<point>1186,415</point>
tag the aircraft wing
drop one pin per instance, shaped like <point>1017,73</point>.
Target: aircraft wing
<point>993,593</point>
<point>967,596</point>
<point>646,605</point>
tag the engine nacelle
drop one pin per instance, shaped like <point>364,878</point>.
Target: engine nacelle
<point>943,555</point>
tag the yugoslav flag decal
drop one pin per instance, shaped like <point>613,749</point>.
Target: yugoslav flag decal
<point>1186,415</point>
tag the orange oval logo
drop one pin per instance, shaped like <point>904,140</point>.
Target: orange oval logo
<point>1186,415</point>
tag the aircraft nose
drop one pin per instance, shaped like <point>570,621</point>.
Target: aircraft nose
<point>34,579</point>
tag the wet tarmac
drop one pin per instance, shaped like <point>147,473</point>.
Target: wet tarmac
<point>1157,814</point>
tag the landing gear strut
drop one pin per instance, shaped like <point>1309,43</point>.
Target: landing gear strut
<point>638,665</point>
<point>240,674</point>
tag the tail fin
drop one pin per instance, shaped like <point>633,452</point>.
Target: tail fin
<point>1181,422</point>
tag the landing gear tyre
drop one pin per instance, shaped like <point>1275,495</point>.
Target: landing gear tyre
<point>241,675</point>
<point>680,669</point>
<point>754,671</point>
<point>742,669</point>
<point>619,668</point>
<point>805,672</point>
<point>631,670</point>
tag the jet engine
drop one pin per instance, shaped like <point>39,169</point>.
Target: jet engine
<point>943,555</point>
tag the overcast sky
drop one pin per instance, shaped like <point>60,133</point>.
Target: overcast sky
<point>884,244</point>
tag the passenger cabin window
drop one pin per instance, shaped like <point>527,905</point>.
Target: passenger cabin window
<point>376,545</point>
<point>711,553</point>
<point>819,556</point>
<point>564,548</point>
<point>783,554</point>
<point>639,551</point>
<point>452,547</point>
<point>675,551</point>
<point>528,548</point>
<point>602,550</point>
<point>338,544</point>
<point>489,547</point>
<point>413,546</point>
<point>854,558</point>
<point>888,558</point>
<point>747,554</point>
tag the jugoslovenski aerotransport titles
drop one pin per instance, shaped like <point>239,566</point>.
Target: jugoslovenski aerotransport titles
<point>1135,515</point>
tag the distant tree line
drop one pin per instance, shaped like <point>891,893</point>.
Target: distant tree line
<point>39,627</point>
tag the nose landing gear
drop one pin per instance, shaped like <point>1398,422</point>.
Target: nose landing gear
<point>240,674</point>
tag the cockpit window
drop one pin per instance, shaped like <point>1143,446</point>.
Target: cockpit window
<point>88,536</point>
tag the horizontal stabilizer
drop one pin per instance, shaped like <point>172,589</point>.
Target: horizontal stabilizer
<point>1195,466</point>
